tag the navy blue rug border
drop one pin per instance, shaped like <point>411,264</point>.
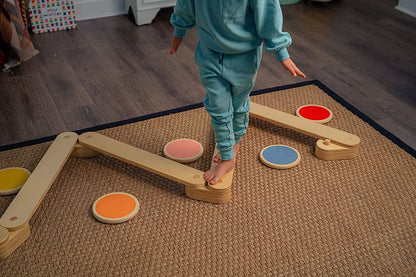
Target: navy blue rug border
<point>317,83</point>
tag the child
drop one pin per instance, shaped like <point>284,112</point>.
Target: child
<point>231,35</point>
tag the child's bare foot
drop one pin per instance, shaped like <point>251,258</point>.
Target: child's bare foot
<point>214,175</point>
<point>217,157</point>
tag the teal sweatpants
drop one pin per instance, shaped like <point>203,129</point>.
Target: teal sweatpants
<point>228,80</point>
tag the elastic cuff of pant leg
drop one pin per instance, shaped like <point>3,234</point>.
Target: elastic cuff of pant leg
<point>227,155</point>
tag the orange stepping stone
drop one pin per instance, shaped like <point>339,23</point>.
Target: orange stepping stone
<point>116,207</point>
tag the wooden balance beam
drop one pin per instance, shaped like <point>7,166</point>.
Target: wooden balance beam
<point>332,144</point>
<point>14,224</point>
<point>193,179</point>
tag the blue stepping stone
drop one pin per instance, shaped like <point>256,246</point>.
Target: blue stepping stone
<point>280,156</point>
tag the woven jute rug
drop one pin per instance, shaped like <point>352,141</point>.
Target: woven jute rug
<point>323,218</point>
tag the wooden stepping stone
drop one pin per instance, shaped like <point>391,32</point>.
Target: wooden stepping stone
<point>116,207</point>
<point>315,113</point>
<point>279,156</point>
<point>12,179</point>
<point>183,150</point>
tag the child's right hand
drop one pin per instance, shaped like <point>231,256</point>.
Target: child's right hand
<point>290,66</point>
<point>175,44</point>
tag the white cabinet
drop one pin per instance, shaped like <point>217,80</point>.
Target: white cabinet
<point>407,6</point>
<point>144,11</point>
<point>90,9</point>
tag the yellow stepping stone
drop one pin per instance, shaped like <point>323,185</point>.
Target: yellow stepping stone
<point>12,179</point>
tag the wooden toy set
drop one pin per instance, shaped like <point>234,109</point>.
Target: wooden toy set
<point>117,207</point>
<point>332,144</point>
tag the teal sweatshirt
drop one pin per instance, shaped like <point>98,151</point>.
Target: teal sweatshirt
<point>233,26</point>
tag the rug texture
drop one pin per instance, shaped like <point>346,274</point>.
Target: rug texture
<point>322,218</point>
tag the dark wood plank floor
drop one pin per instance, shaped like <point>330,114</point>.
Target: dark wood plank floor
<point>110,69</point>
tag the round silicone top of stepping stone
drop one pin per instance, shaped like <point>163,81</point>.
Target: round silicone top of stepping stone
<point>12,179</point>
<point>116,207</point>
<point>316,113</point>
<point>279,156</point>
<point>183,150</point>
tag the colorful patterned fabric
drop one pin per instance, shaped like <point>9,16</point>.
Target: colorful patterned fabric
<point>15,43</point>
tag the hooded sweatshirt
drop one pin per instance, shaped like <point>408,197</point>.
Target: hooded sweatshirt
<point>233,26</point>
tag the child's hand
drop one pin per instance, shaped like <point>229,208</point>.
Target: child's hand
<point>175,44</point>
<point>290,66</point>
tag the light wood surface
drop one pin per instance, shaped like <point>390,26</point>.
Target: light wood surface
<point>14,224</point>
<point>332,144</point>
<point>303,126</point>
<point>208,195</point>
<point>4,235</point>
<point>83,152</point>
<point>327,150</point>
<point>180,173</point>
<point>193,179</point>
<point>34,190</point>
<point>10,240</point>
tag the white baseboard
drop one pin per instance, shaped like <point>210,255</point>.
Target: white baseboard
<point>89,9</point>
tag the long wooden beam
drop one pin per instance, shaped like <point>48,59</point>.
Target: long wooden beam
<point>14,224</point>
<point>193,179</point>
<point>304,126</point>
<point>178,172</point>
<point>37,185</point>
